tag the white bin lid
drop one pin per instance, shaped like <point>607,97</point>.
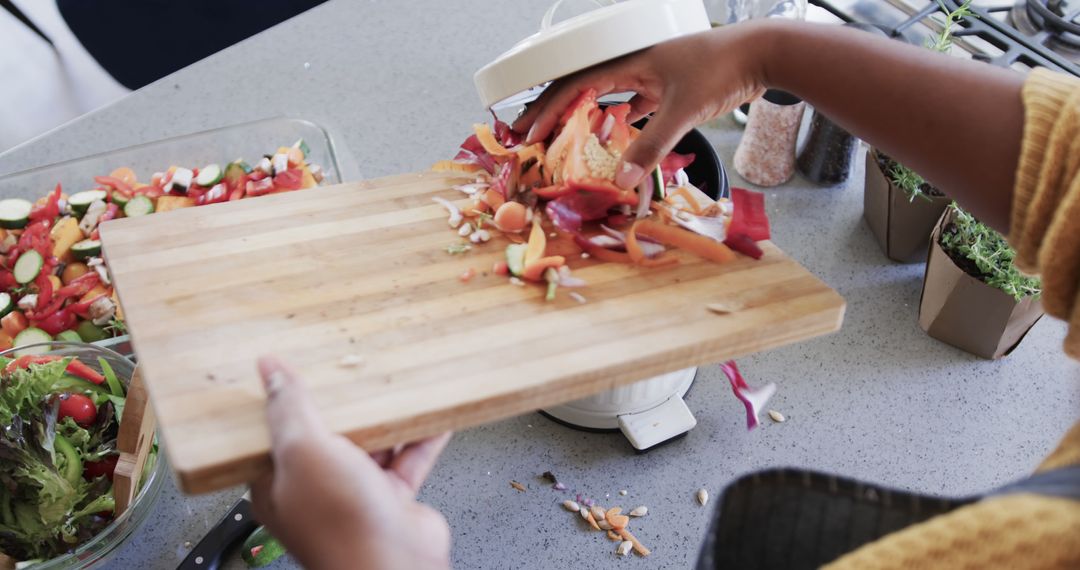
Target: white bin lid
<point>574,44</point>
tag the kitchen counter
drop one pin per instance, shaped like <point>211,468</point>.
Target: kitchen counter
<point>879,400</point>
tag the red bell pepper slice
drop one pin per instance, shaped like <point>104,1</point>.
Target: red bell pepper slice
<point>673,162</point>
<point>291,179</point>
<point>7,280</point>
<point>114,183</point>
<point>749,217</point>
<point>44,290</point>
<point>743,244</point>
<point>49,210</point>
<point>75,367</point>
<point>77,288</point>
<point>57,322</point>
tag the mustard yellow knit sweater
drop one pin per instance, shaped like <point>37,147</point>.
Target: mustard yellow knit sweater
<point>1020,531</point>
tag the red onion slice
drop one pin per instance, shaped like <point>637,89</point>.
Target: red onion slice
<point>753,398</point>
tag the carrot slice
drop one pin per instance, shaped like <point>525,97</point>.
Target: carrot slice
<point>488,141</point>
<point>612,512</point>
<point>682,239</point>
<point>608,256</point>
<point>510,217</point>
<point>614,537</point>
<point>494,199</point>
<point>534,271</point>
<point>592,522</point>
<point>638,547</point>
<point>618,521</point>
<point>633,248</point>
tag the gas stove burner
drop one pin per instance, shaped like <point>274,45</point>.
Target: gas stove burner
<point>1050,22</point>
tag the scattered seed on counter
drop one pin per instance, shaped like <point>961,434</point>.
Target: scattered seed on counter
<point>639,511</point>
<point>517,486</point>
<point>604,525</point>
<point>624,548</point>
<point>559,487</point>
<point>777,416</point>
<point>597,512</point>
<point>571,506</point>
<point>585,514</point>
<point>725,307</point>
<point>623,492</point>
<point>702,496</point>
<point>351,361</point>
<point>465,230</point>
<point>577,297</point>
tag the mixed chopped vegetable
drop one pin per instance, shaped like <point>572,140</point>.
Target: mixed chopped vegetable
<point>557,200</point>
<point>59,419</point>
<point>53,281</point>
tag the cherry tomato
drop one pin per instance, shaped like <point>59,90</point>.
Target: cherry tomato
<point>94,469</point>
<point>79,408</point>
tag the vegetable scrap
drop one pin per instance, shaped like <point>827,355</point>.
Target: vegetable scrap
<point>54,283</point>
<point>725,307</point>
<point>777,416</point>
<point>59,419</point>
<point>556,200</point>
<point>753,398</point>
<point>517,486</point>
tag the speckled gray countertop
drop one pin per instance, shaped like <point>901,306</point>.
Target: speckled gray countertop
<point>392,81</point>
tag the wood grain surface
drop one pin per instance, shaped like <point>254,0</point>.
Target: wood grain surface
<point>362,269</point>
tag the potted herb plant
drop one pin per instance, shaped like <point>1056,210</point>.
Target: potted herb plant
<point>899,206</point>
<point>973,297</point>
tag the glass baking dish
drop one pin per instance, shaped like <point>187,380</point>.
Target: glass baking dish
<point>245,140</point>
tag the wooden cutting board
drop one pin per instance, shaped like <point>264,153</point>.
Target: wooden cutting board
<point>362,269</point>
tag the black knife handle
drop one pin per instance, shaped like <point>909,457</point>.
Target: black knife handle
<point>231,529</point>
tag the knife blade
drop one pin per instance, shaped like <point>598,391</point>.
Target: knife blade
<point>234,527</point>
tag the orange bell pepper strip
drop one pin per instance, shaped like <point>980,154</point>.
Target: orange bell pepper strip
<point>537,243</point>
<point>535,271</point>
<point>490,143</point>
<point>494,199</point>
<point>682,239</point>
<point>633,248</point>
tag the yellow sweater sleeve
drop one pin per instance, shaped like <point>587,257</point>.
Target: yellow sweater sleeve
<point>1045,223</point>
<point>1019,531</point>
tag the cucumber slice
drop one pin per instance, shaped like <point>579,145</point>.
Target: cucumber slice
<point>7,304</point>
<point>261,548</point>
<point>88,248</point>
<point>209,175</point>
<point>119,199</point>
<point>81,201</point>
<point>515,258</point>
<point>32,335</point>
<point>28,267</point>
<point>69,336</point>
<point>138,206</point>
<point>659,189</point>
<point>14,213</point>
<point>89,332</point>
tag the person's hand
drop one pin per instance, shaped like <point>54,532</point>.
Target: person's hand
<point>334,506</point>
<point>685,82</point>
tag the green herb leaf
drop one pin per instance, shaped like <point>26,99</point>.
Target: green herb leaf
<point>988,254</point>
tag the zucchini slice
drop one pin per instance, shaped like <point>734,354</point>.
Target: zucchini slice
<point>28,267</point>
<point>88,248</point>
<point>14,213</point>
<point>139,206</point>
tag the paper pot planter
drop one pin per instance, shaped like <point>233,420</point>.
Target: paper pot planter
<point>902,226</point>
<point>961,310</point>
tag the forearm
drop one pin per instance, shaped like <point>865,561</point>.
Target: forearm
<point>957,123</point>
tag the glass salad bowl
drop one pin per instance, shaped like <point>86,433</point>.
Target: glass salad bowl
<point>95,552</point>
<point>245,140</point>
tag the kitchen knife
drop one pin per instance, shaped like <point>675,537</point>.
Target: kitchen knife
<point>233,528</point>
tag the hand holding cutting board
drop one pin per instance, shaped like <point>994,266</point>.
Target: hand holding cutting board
<point>330,503</point>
